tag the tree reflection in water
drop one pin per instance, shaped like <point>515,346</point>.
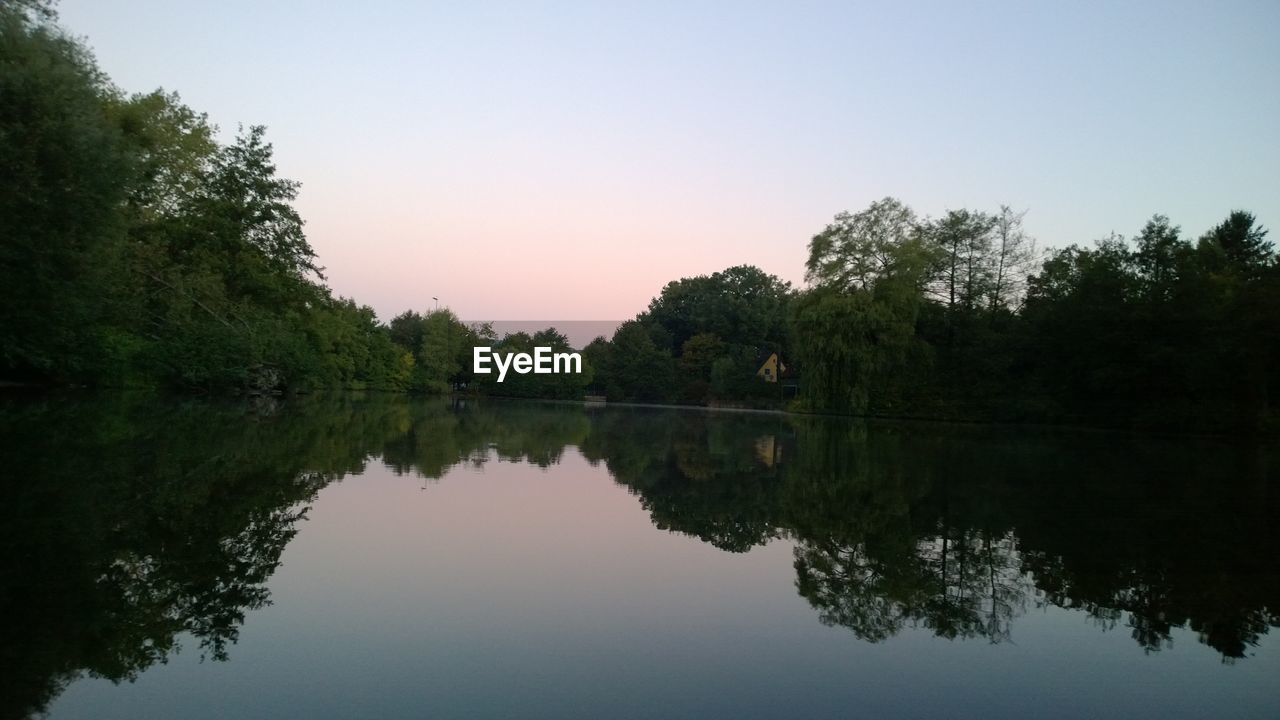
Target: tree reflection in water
<point>129,523</point>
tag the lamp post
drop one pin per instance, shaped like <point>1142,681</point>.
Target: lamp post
<point>782,390</point>
<point>448,345</point>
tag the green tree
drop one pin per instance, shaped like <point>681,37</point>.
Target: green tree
<point>1244,271</point>
<point>598,355</point>
<point>1243,243</point>
<point>444,352</point>
<point>407,330</point>
<point>639,369</point>
<point>742,305</point>
<point>856,327</point>
<point>964,277</point>
<point>882,244</point>
<point>697,356</point>
<point>65,177</point>
<point>1159,256</point>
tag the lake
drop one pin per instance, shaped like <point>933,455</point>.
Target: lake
<point>393,557</point>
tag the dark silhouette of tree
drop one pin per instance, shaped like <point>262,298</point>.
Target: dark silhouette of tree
<point>135,521</point>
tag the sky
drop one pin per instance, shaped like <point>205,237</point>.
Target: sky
<point>546,160</point>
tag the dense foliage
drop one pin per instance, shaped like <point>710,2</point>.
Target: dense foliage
<point>140,250</point>
<point>953,318</point>
<point>959,317</point>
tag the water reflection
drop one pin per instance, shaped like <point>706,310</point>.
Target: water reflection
<point>127,524</point>
<point>960,530</point>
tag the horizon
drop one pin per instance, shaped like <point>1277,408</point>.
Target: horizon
<point>570,161</point>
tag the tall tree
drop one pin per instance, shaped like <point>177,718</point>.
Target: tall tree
<point>858,322</point>
<point>1244,243</point>
<point>1014,256</point>
<point>1157,258</point>
<point>65,176</point>
<point>860,251</point>
<point>964,275</point>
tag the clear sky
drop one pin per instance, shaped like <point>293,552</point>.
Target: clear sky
<point>540,160</point>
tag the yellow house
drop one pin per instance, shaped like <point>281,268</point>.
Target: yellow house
<point>768,449</point>
<point>769,367</point>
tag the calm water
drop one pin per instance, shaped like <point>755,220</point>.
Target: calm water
<point>392,558</point>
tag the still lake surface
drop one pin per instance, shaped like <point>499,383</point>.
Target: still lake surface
<point>389,557</point>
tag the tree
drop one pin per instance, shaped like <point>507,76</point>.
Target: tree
<point>741,305</point>
<point>1243,242</point>
<point>1244,272</point>
<point>1158,257</point>
<point>965,274</point>
<point>860,251</point>
<point>697,356</point>
<point>850,346</point>
<point>33,10</point>
<point>65,176</point>
<point>173,148</point>
<point>598,355</point>
<point>254,209</point>
<point>639,370</point>
<point>1014,257</point>
<point>407,330</point>
<point>445,350</point>
<point>857,325</point>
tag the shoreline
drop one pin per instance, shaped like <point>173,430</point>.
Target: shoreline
<point>13,390</point>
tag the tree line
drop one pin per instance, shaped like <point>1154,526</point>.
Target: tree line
<point>961,317</point>
<point>141,250</point>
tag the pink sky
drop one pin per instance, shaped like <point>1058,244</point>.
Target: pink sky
<point>565,160</point>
